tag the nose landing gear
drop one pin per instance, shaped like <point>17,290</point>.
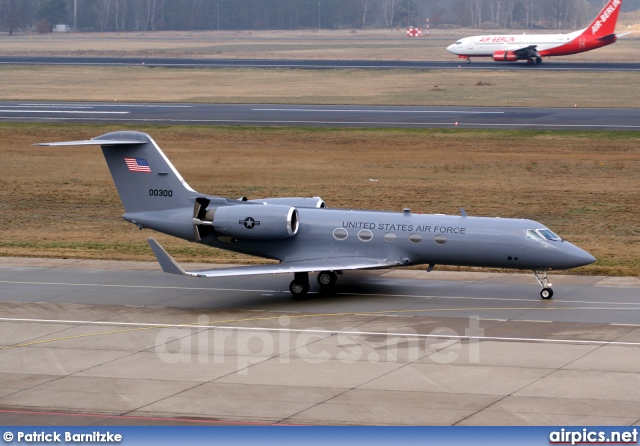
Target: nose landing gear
<point>546,292</point>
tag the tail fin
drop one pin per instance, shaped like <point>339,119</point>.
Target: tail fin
<point>145,178</point>
<point>605,23</point>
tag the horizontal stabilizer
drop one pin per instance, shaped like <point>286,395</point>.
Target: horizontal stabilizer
<point>93,142</point>
<point>169,265</point>
<point>607,37</point>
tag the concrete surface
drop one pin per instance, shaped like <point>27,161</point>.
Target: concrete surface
<point>78,356</point>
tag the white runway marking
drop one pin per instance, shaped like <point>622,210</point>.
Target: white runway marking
<point>624,306</point>
<point>328,332</point>
<point>101,105</point>
<point>338,123</point>
<point>379,111</point>
<point>68,111</point>
<point>134,286</point>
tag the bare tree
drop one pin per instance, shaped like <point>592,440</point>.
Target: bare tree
<point>389,10</point>
<point>561,13</point>
<point>11,15</point>
<point>366,7</point>
<point>144,12</point>
<point>461,10</point>
<point>475,9</point>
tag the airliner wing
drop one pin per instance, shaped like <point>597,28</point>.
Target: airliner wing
<point>527,52</point>
<point>169,265</point>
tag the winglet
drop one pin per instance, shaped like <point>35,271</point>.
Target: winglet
<point>166,262</point>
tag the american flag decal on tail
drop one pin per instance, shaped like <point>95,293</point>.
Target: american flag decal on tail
<point>137,165</point>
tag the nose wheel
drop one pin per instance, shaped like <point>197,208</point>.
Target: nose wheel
<point>546,292</point>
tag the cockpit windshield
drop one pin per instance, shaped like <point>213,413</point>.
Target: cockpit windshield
<point>548,234</point>
<point>533,234</point>
<point>542,234</point>
<point>459,42</point>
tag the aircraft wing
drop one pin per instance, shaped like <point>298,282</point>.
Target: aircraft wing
<point>169,265</point>
<point>529,51</point>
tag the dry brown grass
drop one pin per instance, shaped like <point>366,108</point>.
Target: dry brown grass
<point>395,87</point>
<point>374,44</point>
<point>62,203</point>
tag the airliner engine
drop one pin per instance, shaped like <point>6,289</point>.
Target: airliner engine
<point>505,56</point>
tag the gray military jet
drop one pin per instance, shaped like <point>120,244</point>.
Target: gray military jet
<point>306,236</point>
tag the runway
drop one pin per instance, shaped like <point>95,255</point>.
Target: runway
<point>389,292</point>
<point>324,115</point>
<point>101,343</point>
<point>477,64</point>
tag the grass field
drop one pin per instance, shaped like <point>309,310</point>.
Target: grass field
<point>382,87</point>
<point>396,87</point>
<point>61,202</point>
<point>341,44</point>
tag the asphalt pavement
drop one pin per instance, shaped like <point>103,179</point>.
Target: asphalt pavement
<point>323,115</point>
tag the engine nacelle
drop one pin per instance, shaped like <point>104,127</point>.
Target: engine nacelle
<point>255,222</point>
<point>299,202</point>
<point>505,56</point>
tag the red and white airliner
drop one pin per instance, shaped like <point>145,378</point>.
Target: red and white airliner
<point>533,47</point>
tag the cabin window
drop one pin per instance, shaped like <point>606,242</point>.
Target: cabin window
<point>415,238</point>
<point>340,234</point>
<point>440,239</point>
<point>365,235</point>
<point>390,237</point>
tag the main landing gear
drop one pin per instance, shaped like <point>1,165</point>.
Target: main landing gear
<point>546,292</point>
<point>300,285</point>
<point>534,60</point>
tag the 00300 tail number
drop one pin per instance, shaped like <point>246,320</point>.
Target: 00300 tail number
<point>160,193</point>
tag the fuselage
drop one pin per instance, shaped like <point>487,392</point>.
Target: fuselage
<point>406,238</point>
<point>533,47</point>
<point>545,44</point>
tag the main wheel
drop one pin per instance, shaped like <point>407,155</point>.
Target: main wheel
<point>327,279</point>
<point>546,293</point>
<point>299,290</point>
<point>538,60</point>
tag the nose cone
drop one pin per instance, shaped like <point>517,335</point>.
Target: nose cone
<point>452,48</point>
<point>575,257</point>
<point>585,258</point>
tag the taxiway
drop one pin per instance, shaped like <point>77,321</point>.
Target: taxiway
<point>310,64</point>
<point>324,115</point>
<point>98,342</point>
